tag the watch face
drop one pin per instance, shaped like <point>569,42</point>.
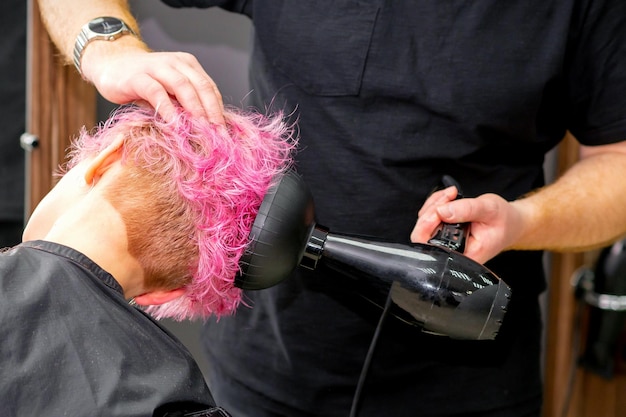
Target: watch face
<point>106,25</point>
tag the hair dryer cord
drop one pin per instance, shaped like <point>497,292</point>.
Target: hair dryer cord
<point>356,400</point>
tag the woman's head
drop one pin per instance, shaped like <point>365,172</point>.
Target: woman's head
<point>189,195</point>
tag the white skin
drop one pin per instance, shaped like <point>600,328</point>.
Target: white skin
<point>582,210</point>
<point>77,214</point>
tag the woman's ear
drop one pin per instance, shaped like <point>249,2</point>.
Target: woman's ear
<point>103,161</point>
<point>158,297</point>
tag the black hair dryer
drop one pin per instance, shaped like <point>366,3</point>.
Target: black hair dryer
<point>432,286</point>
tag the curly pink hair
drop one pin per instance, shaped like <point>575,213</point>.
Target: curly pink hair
<point>189,196</point>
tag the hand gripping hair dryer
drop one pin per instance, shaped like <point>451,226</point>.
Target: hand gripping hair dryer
<point>432,286</point>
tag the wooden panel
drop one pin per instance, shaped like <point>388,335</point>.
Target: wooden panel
<point>59,102</point>
<point>560,332</point>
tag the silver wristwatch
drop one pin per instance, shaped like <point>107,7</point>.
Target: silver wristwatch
<point>101,28</point>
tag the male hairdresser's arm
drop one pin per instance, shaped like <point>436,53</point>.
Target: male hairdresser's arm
<point>126,70</point>
<point>582,210</point>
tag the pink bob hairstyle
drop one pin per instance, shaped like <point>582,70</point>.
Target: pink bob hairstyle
<point>189,195</point>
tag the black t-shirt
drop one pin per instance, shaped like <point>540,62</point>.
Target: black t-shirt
<point>389,96</point>
<point>73,346</point>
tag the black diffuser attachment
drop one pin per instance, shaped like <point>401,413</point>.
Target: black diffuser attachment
<point>432,286</point>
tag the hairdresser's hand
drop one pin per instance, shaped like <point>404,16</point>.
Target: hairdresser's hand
<point>495,223</point>
<point>130,73</point>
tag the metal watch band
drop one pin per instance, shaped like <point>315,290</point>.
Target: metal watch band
<point>86,35</point>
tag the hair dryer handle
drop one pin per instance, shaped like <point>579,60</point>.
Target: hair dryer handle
<point>451,235</point>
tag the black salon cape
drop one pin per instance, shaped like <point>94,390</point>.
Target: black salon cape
<point>70,345</point>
